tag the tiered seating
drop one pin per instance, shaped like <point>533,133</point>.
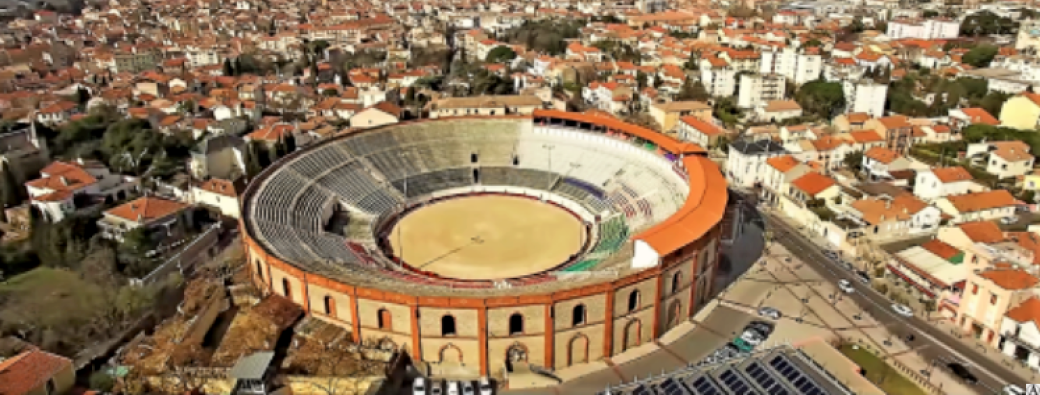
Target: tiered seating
<point>276,193</point>
<point>427,183</point>
<point>354,184</point>
<point>495,175</point>
<point>369,143</point>
<point>309,208</point>
<point>529,178</point>
<point>395,163</point>
<point>320,161</point>
<point>612,235</point>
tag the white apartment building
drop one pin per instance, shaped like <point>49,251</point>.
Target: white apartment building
<point>790,63</point>
<point>1028,35</point>
<point>758,90</point>
<point>746,163</point>
<point>926,30</point>
<point>944,181</point>
<point>1028,67</point>
<point>865,96</point>
<point>720,81</point>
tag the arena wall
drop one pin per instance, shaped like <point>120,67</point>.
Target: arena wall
<point>686,244</point>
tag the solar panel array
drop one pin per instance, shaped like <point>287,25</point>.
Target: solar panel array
<point>772,373</point>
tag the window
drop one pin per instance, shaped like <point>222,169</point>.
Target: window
<point>330,306</point>
<point>676,282</point>
<point>974,289</point>
<point>259,270</point>
<point>286,289</point>
<point>516,324</point>
<point>993,299</point>
<point>448,326</point>
<point>633,301</point>
<point>578,315</point>
<point>473,157</point>
<point>383,320</point>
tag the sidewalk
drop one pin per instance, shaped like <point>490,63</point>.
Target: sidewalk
<point>990,352</point>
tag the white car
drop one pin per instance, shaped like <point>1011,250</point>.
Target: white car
<point>485,386</point>
<point>419,386</point>
<point>769,312</point>
<point>1008,220</point>
<point>1012,389</point>
<point>435,388</point>
<point>467,388</point>
<point>845,286</point>
<point>453,388</point>
<point>902,310</point>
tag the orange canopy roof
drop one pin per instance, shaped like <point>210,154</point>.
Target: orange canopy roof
<point>704,208</point>
<point>667,143</point>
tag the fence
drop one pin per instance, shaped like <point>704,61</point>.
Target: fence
<point>188,256</point>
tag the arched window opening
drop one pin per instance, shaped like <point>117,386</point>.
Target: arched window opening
<point>330,306</point>
<point>516,324</point>
<point>578,316</point>
<point>286,289</point>
<point>473,157</point>
<point>448,326</point>
<point>259,269</point>
<point>633,300</point>
<point>676,282</point>
<point>384,319</point>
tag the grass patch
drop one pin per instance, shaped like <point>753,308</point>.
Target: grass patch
<point>54,295</point>
<point>877,370</point>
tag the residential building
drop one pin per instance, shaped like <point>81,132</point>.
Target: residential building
<point>756,90</point>
<point>1021,111</point>
<point>668,114</point>
<point>797,66</point>
<point>779,110</point>
<point>897,131</point>
<point>865,96</point>
<point>936,269</point>
<point>700,132</point>
<point>382,113</point>
<point>220,156</point>
<point>940,182</point>
<point>218,195</point>
<point>931,29</point>
<point>36,372</point>
<point>879,162</point>
<point>746,163</point>
<point>978,206</point>
<point>164,220</point>
<point>1003,159</point>
<point>483,105</point>
<point>1028,35</point>
<point>1020,333</point>
<point>64,187</point>
<point>988,296</point>
<point>779,173</point>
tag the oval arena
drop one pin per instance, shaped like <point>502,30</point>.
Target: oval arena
<point>554,239</point>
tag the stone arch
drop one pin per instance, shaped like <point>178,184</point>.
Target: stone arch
<point>633,334</point>
<point>517,352</point>
<point>450,353</point>
<point>578,350</point>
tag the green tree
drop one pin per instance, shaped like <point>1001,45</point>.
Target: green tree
<point>500,54</point>
<point>980,56</point>
<point>693,90</point>
<point>229,70</point>
<point>136,249</point>
<point>820,98</point>
<point>853,161</point>
<point>253,157</point>
<point>12,192</point>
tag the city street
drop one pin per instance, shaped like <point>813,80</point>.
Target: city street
<point>930,342</point>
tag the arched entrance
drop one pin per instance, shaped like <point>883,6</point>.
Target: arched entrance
<point>517,353</point>
<point>674,312</point>
<point>632,334</point>
<point>451,353</point>
<point>578,350</point>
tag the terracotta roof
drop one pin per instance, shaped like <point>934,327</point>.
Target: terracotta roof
<point>703,209</point>
<point>978,115</point>
<point>701,126</point>
<point>29,370</point>
<point>813,183</point>
<point>1027,311</point>
<point>979,201</point>
<point>783,105</point>
<point>1012,151</point>
<point>877,211</point>
<point>220,187</point>
<point>1010,279</point>
<point>388,107</point>
<point>882,154</point>
<point>941,249</point>
<point>783,163</point>
<point>986,232</point>
<point>866,136</point>
<point>895,122</point>
<point>62,176</point>
<point>146,209</point>
<point>952,174</point>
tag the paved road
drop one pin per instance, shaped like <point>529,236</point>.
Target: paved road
<point>941,346</point>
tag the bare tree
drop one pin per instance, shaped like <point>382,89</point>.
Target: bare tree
<point>340,367</point>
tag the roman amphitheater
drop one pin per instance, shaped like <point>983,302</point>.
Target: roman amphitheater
<point>553,239</point>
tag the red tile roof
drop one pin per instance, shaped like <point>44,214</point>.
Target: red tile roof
<point>982,231</point>
<point>1028,310</point>
<point>813,183</point>
<point>30,370</point>
<point>1010,279</point>
<point>783,163</point>
<point>952,174</point>
<point>978,115</point>
<point>979,201</point>
<point>146,209</point>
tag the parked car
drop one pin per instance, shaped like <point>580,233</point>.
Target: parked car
<point>845,286</point>
<point>1012,389</point>
<point>763,328</point>
<point>435,387</point>
<point>419,386</point>
<point>847,265</point>
<point>467,388</point>
<point>770,313</point>
<point>962,372</point>
<point>902,310</point>
<point>453,388</point>
<point>485,386</point>
<point>863,276</point>
<point>1008,220</point>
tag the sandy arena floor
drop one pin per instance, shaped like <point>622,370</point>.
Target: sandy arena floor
<point>487,237</point>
